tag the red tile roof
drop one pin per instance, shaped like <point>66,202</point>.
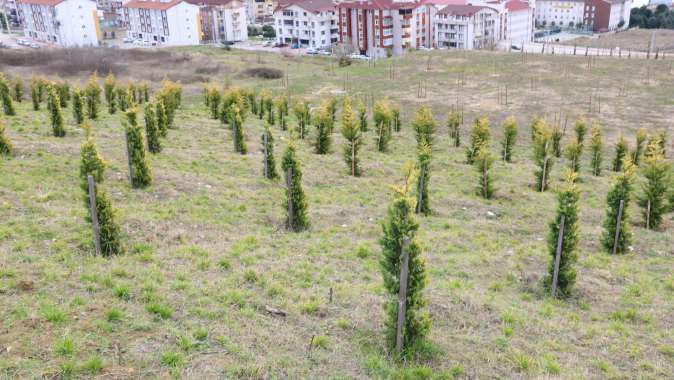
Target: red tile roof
<point>214,3</point>
<point>49,3</point>
<point>460,10</point>
<point>314,6</point>
<point>445,2</point>
<point>152,4</point>
<point>516,5</point>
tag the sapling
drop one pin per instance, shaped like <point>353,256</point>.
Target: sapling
<point>6,147</point>
<point>424,165</point>
<point>399,226</point>
<point>653,200</point>
<point>55,115</point>
<point>454,127</point>
<point>151,130</point>
<point>483,163</point>
<point>543,157</point>
<point>236,123</point>
<point>509,139</point>
<point>141,175</point>
<point>78,106</point>
<point>572,153</point>
<point>323,122</point>
<point>382,120</point>
<point>621,190</point>
<point>362,116</point>
<point>92,96</point>
<point>596,146</point>
<point>269,163</point>
<point>479,138</point>
<point>295,202</point>
<point>620,154</point>
<point>642,135</point>
<point>351,130</point>
<point>567,209</point>
<point>424,126</point>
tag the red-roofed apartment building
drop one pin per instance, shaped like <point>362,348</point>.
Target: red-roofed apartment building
<point>605,15</point>
<point>306,23</point>
<point>63,22</point>
<point>163,22</point>
<point>519,22</point>
<point>376,27</point>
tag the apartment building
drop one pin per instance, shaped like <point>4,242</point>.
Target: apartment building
<point>9,11</point>
<point>260,10</point>
<point>564,13</point>
<point>466,27</point>
<point>376,27</point>
<point>222,20</point>
<point>67,23</point>
<point>162,22</point>
<point>606,15</point>
<point>519,22</point>
<point>306,23</point>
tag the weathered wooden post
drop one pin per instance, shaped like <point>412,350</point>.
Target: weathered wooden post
<point>353,158</point>
<point>94,214</point>
<point>617,225</point>
<point>289,181</point>
<point>402,294</point>
<point>558,256</point>
<point>648,215</point>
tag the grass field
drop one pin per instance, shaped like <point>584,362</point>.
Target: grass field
<point>632,39</point>
<point>207,252</point>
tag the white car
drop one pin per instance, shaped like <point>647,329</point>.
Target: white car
<point>312,51</point>
<point>359,56</point>
<point>22,42</point>
<point>33,45</point>
<point>128,40</point>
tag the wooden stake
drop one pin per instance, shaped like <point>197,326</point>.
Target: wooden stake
<point>266,155</point>
<point>648,215</point>
<point>558,257</point>
<point>617,226</point>
<point>94,214</point>
<point>402,294</point>
<point>421,188</point>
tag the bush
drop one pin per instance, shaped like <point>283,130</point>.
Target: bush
<point>268,153</point>
<point>573,151</point>
<point>345,61</point>
<point>78,106</point>
<point>236,122</point>
<point>264,73</point>
<point>424,166</point>
<point>479,138</point>
<point>151,130</point>
<point>620,190</point>
<point>509,138</point>
<point>596,147</point>
<point>483,162</point>
<point>6,148</point>
<point>620,153</point>
<point>543,156</point>
<point>140,170</point>
<point>454,127</point>
<point>109,92</point>
<point>6,97</point>
<point>323,122</point>
<point>653,201</point>
<point>382,121</point>
<point>301,109</point>
<point>92,96</point>
<point>424,126</point>
<point>55,115</point>
<point>642,135</point>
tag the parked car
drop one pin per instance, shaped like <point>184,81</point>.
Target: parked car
<point>324,52</point>
<point>312,51</point>
<point>33,45</point>
<point>359,56</point>
<point>128,40</point>
<point>514,47</point>
<point>22,42</point>
<point>269,43</point>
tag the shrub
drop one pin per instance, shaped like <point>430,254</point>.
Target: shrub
<point>268,154</point>
<point>454,127</point>
<point>424,166</point>
<point>323,122</point>
<point>424,126</point>
<point>479,137</point>
<point>653,201</point>
<point>232,97</point>
<point>162,121</point>
<point>63,90</point>
<point>509,139</point>
<point>483,163</point>
<point>214,98</point>
<point>6,148</point>
<point>398,224</point>
<point>91,162</point>
<point>395,114</point>
<point>382,121</point>
<point>140,171</point>
<point>35,93</point>
<point>264,73</point>
<point>109,229</point>
<point>572,152</point>
<point>567,206</point>
<point>620,190</point>
<point>18,89</point>
<point>6,97</point>
<point>620,153</point>
<point>351,130</point>
<point>580,129</point>
<point>301,109</point>
<point>55,115</point>
<point>282,107</point>
<point>543,157</point>
<point>151,130</point>
<point>362,116</point>
<point>642,135</point>
<point>110,94</point>
<point>556,139</point>
<point>596,147</point>
<point>160,310</point>
<point>331,106</point>
<point>78,106</point>
<point>299,220</point>
<point>92,96</point>
<point>236,122</point>
<point>121,98</point>
<point>170,94</point>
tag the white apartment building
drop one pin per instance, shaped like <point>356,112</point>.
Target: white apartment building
<point>466,27</point>
<point>222,20</point>
<point>163,22</point>
<point>306,23</point>
<point>519,25</point>
<point>564,13</point>
<point>9,10</point>
<point>67,23</point>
